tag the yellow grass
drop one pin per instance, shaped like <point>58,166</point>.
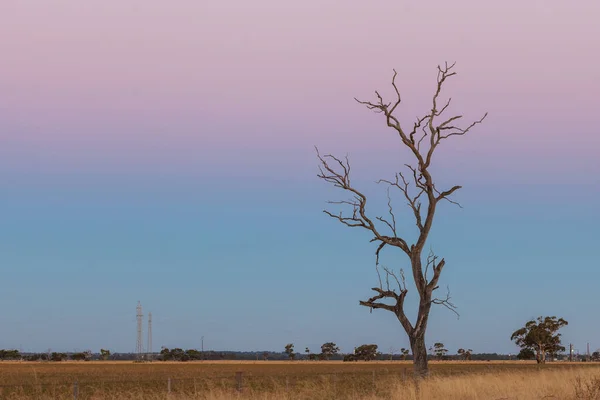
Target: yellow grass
<point>299,381</point>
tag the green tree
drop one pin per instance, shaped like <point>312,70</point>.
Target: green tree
<point>289,350</point>
<point>438,350</point>
<point>465,354</point>
<point>404,353</point>
<point>10,355</point>
<point>56,356</point>
<point>366,352</point>
<point>37,357</point>
<point>80,356</point>
<point>329,350</point>
<point>541,337</point>
<point>193,354</point>
<point>104,354</point>
<point>165,354</point>
<point>179,354</point>
<point>417,187</point>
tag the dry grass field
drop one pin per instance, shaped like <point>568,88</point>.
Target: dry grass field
<point>297,380</point>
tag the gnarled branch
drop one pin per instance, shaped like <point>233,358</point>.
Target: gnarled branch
<point>446,302</point>
<point>340,178</point>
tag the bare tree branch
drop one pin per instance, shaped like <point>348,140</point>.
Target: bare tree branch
<point>413,202</point>
<point>446,302</point>
<point>341,178</point>
<point>391,225</point>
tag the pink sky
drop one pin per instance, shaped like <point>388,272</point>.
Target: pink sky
<point>131,80</point>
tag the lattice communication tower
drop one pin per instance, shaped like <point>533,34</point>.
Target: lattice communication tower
<point>149,347</point>
<point>139,347</point>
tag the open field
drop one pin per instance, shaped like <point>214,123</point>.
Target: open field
<point>297,380</point>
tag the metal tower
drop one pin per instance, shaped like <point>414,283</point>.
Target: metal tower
<point>139,348</point>
<point>149,347</point>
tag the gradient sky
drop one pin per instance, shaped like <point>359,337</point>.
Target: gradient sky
<point>163,152</point>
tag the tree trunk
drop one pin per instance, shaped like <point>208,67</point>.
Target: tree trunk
<point>419,350</point>
<point>540,354</point>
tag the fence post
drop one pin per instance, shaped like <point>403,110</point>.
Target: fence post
<point>374,386</point>
<point>335,385</point>
<point>239,379</point>
<point>75,390</point>
<point>169,385</point>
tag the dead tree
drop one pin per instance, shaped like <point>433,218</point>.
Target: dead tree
<point>417,187</point>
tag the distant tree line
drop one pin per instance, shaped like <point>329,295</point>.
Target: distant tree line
<point>539,340</point>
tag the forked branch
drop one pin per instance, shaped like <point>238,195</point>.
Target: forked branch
<point>340,177</point>
<point>446,302</point>
<point>387,293</point>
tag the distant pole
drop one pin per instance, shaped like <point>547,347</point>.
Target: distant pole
<point>139,348</point>
<point>149,349</point>
<point>587,357</point>
<point>202,346</point>
<point>571,352</point>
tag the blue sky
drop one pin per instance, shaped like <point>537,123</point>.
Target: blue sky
<point>255,264</point>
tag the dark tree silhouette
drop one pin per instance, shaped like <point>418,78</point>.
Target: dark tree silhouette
<point>365,352</point>
<point>329,349</point>
<point>104,354</point>
<point>465,354</point>
<point>289,350</point>
<point>439,350</point>
<point>421,194</point>
<point>404,353</point>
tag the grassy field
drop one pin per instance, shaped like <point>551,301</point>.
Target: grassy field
<point>297,380</point>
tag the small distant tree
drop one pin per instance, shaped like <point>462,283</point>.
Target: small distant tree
<point>465,354</point>
<point>366,352</point>
<point>10,355</point>
<point>438,350</point>
<point>80,356</point>
<point>104,354</point>
<point>596,356</point>
<point>289,350</point>
<point>165,354</point>
<point>392,351</point>
<point>328,350</point>
<point>265,356</point>
<point>193,354</point>
<point>178,354</point>
<point>541,337</point>
<point>404,353</point>
<point>55,356</point>
<point>35,357</point>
